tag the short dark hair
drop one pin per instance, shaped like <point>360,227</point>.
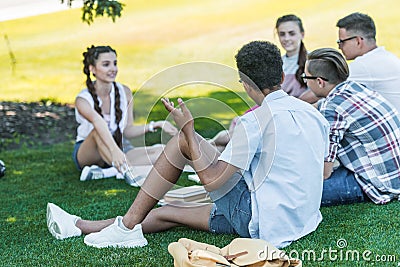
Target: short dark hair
<point>358,23</point>
<point>328,63</point>
<point>260,63</point>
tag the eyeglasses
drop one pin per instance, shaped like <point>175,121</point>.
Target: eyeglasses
<point>305,78</point>
<point>340,41</point>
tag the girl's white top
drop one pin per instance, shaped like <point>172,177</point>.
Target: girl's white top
<point>85,127</point>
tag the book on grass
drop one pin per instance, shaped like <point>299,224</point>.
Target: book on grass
<point>194,193</point>
<point>189,193</point>
<point>181,203</point>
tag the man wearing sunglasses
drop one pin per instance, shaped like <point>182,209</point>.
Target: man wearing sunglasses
<point>372,66</point>
<point>364,131</point>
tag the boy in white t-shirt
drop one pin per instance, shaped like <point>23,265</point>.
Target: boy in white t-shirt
<point>373,66</point>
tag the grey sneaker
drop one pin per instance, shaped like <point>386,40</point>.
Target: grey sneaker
<point>133,178</point>
<point>60,223</point>
<point>91,173</point>
<point>115,236</point>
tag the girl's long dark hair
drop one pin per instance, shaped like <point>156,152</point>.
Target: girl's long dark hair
<point>89,58</point>
<point>302,51</point>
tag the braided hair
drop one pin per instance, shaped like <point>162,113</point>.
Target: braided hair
<point>302,51</point>
<point>89,58</point>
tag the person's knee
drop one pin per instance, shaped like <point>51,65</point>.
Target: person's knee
<point>162,214</point>
<point>154,153</point>
<point>95,135</point>
<point>154,214</point>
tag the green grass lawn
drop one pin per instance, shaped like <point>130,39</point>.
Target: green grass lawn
<point>152,38</point>
<point>38,176</point>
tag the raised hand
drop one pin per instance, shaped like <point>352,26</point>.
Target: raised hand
<point>119,160</point>
<point>181,115</point>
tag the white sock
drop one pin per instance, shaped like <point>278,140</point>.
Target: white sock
<point>76,219</point>
<point>122,225</point>
<point>110,172</point>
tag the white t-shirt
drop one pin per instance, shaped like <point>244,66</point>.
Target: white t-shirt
<point>380,71</point>
<point>85,127</point>
<point>281,147</point>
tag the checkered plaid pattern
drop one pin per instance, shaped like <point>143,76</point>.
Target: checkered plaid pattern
<point>365,137</point>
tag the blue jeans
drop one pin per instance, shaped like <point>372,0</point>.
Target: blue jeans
<point>342,188</point>
<point>231,212</point>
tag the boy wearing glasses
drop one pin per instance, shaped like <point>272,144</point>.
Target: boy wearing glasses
<point>364,134</point>
<point>373,66</point>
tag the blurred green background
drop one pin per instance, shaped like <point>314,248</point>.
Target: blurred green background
<point>154,35</point>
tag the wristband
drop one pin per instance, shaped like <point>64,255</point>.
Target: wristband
<point>151,127</point>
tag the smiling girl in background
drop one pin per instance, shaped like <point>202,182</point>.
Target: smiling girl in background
<point>290,31</point>
<point>104,112</point>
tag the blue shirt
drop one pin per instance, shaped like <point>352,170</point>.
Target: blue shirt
<point>280,147</point>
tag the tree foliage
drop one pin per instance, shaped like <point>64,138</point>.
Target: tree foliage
<point>95,8</point>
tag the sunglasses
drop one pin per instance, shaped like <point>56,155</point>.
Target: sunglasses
<point>340,41</point>
<point>305,78</point>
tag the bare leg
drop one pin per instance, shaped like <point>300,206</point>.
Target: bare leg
<point>221,138</point>
<point>160,219</point>
<point>163,175</point>
<point>170,216</point>
<point>88,227</point>
<point>161,178</point>
<point>93,151</point>
<point>144,155</point>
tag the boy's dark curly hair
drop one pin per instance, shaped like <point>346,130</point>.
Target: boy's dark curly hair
<point>260,63</point>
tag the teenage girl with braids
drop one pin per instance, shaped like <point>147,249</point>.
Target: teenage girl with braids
<point>104,112</point>
<point>290,31</point>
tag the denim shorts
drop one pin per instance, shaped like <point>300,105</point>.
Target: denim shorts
<point>126,147</point>
<point>231,211</point>
<point>75,155</point>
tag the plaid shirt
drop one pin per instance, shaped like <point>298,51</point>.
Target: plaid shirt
<point>365,137</point>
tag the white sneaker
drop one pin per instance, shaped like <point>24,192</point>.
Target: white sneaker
<point>61,224</point>
<point>115,236</point>
<point>91,173</point>
<point>133,178</point>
